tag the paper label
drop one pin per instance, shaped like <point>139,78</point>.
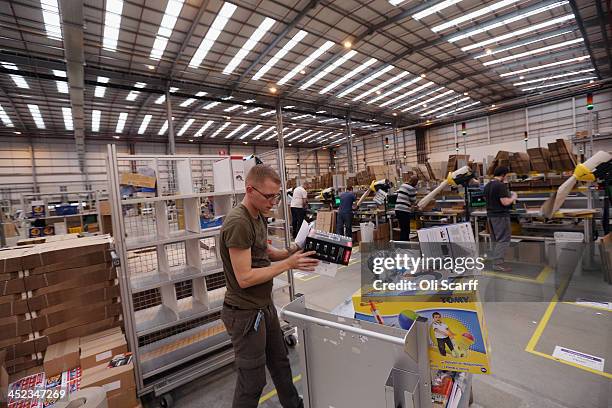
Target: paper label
<point>577,357</point>
<point>103,356</point>
<point>115,385</point>
<point>594,303</point>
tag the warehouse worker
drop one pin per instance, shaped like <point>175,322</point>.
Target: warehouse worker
<point>299,203</point>
<point>499,202</point>
<point>248,312</point>
<point>344,220</point>
<point>405,205</point>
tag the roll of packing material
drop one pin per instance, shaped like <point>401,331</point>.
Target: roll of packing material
<point>91,397</point>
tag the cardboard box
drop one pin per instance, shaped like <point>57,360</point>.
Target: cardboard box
<point>22,363</point>
<point>127,399</point>
<point>137,180</point>
<point>61,357</point>
<point>4,377</point>
<point>100,334</point>
<point>115,380</point>
<point>14,326</point>
<point>85,275</point>
<point>104,207</point>
<point>101,350</point>
<point>76,296</point>
<point>79,261</point>
<point>81,330</point>
<point>65,319</point>
<point>12,286</point>
<point>14,304</point>
<point>21,347</point>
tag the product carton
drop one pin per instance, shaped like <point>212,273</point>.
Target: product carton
<point>99,351</point>
<point>115,380</point>
<point>61,357</point>
<point>126,399</point>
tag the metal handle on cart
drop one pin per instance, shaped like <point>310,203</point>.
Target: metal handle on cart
<point>344,327</point>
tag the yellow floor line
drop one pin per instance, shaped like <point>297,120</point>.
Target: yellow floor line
<point>349,264</point>
<point>273,392</point>
<point>541,325</point>
<point>313,276</point>
<point>509,277</point>
<point>588,306</point>
<point>546,271</point>
<point>590,370</point>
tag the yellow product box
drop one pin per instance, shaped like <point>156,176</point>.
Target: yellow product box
<point>458,337</point>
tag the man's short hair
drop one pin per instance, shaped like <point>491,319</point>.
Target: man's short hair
<point>500,171</point>
<point>260,172</point>
<point>349,188</point>
<point>436,314</point>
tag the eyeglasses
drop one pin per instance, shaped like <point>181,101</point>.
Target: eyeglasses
<point>269,197</point>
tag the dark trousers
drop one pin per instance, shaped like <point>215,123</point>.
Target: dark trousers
<point>297,216</point>
<point>403,218</point>
<point>344,224</point>
<point>442,343</point>
<point>255,350</point>
<point>501,232</point>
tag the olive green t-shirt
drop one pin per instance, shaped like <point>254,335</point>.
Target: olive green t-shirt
<point>241,230</point>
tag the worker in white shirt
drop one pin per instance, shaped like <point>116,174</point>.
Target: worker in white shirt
<point>299,203</point>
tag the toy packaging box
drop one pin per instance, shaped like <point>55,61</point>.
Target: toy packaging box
<point>458,338</point>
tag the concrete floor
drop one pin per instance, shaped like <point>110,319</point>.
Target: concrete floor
<point>520,379</point>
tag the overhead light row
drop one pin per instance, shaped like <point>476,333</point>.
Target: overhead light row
<point>299,36</point>
<point>19,80</point>
<point>473,15</point>
<point>545,66</point>
<point>460,108</point>
<point>226,12</point>
<point>348,76</point>
<point>4,117</point>
<point>263,28</point>
<point>536,51</point>
<point>306,62</point>
<point>67,114</point>
<point>36,116</point>
<point>51,18</point>
<point>173,9</point>
<point>329,69</point>
<point>112,24</point>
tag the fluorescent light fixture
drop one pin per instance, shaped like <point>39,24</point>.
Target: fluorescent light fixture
<point>517,33</point>
<point>221,129</point>
<point>554,77</point>
<point>268,113</point>
<point>252,110</point>
<point>473,15</point>
<point>306,62</point>
<point>457,109</point>
<point>35,112</point>
<point>203,128</point>
<point>268,130</point>
<point>416,105</point>
<point>213,33</point>
<point>185,127</point>
<point>254,129</point>
<point>294,131</point>
<point>121,122</point>
<point>51,17</point>
<point>273,135</point>
<point>490,52</point>
<point>173,9</point>
<point>433,9</point>
<point>5,118</point>
<point>365,81</point>
<point>415,99</point>
<point>439,108</point>
<point>329,69</point>
<point>211,105</point>
<point>144,124</point>
<point>348,76</point>
<point>67,114</point>
<point>404,95</point>
<point>163,128</point>
<point>99,91</point>
<point>396,89</point>
<point>263,28</point>
<point>232,108</point>
<point>382,85</point>
<point>299,36</point>
<point>187,102</point>
<point>508,20</point>
<point>134,94</point>
<point>112,24</point>
<point>233,132</point>
<point>17,79</point>
<point>559,83</point>
<point>539,67</point>
<point>536,51</point>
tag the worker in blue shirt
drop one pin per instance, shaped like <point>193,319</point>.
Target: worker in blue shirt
<point>344,219</point>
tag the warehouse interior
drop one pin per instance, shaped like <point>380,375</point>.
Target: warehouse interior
<point>128,129</point>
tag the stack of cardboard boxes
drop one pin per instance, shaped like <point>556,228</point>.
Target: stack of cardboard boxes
<point>326,221</point>
<point>53,292</point>
<point>561,156</point>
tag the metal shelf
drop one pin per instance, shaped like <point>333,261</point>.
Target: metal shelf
<point>152,240</point>
<point>130,201</point>
<point>157,279</point>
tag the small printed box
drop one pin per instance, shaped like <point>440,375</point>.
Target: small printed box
<point>329,247</point>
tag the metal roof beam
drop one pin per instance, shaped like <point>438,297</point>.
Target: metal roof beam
<point>194,24</point>
<point>581,26</point>
<point>604,30</point>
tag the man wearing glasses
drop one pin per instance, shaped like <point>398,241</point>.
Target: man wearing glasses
<point>248,312</point>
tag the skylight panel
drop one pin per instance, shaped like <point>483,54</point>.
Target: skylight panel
<point>536,51</point>
<point>559,83</point>
<point>164,127</point>
<point>300,135</point>
<point>250,132</point>
<point>187,102</point>
<point>490,52</point>
<point>396,89</point>
<point>531,81</point>
<point>294,131</point>
<point>67,114</point>
<point>263,28</point>
<point>134,94</point>
<point>311,136</point>
<point>35,112</point>
<point>160,100</point>
<point>112,24</point>
<point>504,22</point>
<point>185,127</point>
<point>252,111</point>
<point>299,36</point>
<point>51,18</point>
<point>17,79</point>
<point>273,135</point>
<point>473,15</point>
<point>552,64</point>
<point>211,105</point>
<point>201,131</point>
<point>404,95</point>
<point>145,123</point>
<point>460,108</point>
<point>212,34</point>
<point>453,103</point>
<point>348,76</point>
<point>100,91</point>
<point>434,9</point>
<point>425,102</point>
<point>5,118</point>
<point>268,130</point>
<point>329,69</point>
<point>301,117</point>
<point>121,122</point>
<point>233,132</point>
<point>268,113</point>
<point>517,33</point>
<point>382,85</point>
<point>328,120</point>
<point>232,108</point>
<point>306,62</point>
<point>62,86</point>
<point>201,93</point>
<point>416,99</point>
<point>221,129</point>
<point>173,9</point>
<point>365,81</point>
